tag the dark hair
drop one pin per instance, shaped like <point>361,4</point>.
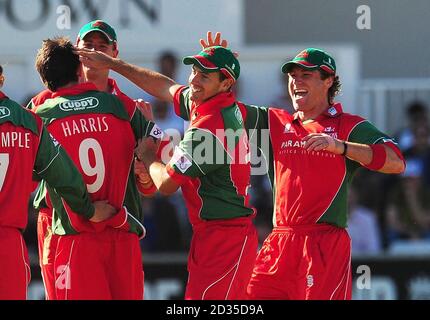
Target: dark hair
<point>335,87</point>
<point>1,76</point>
<point>416,108</point>
<point>169,56</point>
<point>56,63</point>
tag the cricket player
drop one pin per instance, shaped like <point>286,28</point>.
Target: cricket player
<point>28,154</point>
<point>312,157</point>
<point>224,242</point>
<point>99,131</point>
<point>97,35</point>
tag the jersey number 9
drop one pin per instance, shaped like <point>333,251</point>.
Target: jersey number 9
<point>98,169</point>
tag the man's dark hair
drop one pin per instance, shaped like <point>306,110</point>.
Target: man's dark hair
<point>1,76</point>
<point>417,111</point>
<point>56,63</point>
<point>335,87</point>
<point>169,56</point>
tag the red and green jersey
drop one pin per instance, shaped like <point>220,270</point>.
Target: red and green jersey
<point>211,163</point>
<point>28,154</point>
<point>309,187</point>
<point>99,132</point>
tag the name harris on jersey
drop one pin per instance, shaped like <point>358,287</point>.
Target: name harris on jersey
<point>96,123</point>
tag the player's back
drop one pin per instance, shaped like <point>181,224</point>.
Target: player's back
<point>94,128</point>
<point>19,140</point>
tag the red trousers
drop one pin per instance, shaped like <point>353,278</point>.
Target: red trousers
<point>99,266</point>
<point>47,244</point>
<point>221,259</point>
<point>14,265</point>
<point>303,263</point>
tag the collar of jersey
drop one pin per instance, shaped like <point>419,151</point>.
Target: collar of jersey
<point>2,95</point>
<point>113,87</point>
<point>74,90</point>
<point>328,113</point>
<point>219,101</point>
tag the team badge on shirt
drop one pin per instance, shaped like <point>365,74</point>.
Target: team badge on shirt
<point>180,160</point>
<point>289,129</point>
<point>332,111</point>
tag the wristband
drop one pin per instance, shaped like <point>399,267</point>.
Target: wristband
<point>378,158</point>
<point>345,148</point>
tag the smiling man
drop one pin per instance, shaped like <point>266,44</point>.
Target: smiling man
<point>313,156</point>
<point>212,170</point>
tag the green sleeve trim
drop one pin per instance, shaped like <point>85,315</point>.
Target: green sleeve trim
<point>366,133</point>
<point>51,159</point>
<point>185,104</point>
<point>11,111</point>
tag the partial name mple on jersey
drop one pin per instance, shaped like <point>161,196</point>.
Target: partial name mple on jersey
<point>12,139</point>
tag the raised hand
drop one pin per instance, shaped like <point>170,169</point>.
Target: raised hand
<point>213,42</point>
<point>93,59</point>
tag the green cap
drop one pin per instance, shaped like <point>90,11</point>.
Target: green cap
<point>100,26</point>
<point>312,59</point>
<point>216,58</point>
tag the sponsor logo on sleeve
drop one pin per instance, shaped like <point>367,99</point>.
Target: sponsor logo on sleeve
<point>156,132</point>
<point>4,112</point>
<point>78,105</point>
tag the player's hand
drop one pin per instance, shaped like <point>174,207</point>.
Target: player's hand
<point>103,211</point>
<point>94,59</point>
<point>322,141</point>
<point>147,148</point>
<point>142,175</point>
<point>213,42</point>
<point>145,108</point>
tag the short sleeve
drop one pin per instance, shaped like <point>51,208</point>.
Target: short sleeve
<point>182,103</point>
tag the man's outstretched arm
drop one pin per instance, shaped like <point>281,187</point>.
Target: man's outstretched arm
<point>152,82</point>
